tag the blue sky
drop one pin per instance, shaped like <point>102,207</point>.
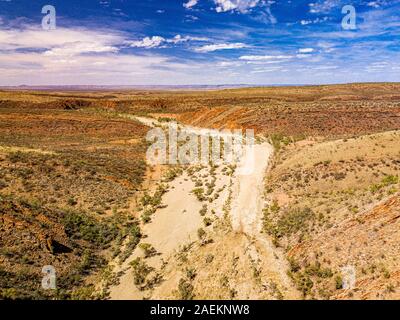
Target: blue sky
<point>183,42</point>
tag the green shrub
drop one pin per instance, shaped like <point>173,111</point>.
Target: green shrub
<point>191,273</point>
<point>207,221</point>
<point>163,119</point>
<point>316,270</point>
<point>82,226</point>
<point>146,215</point>
<point>338,282</point>
<point>185,289</point>
<point>203,210</point>
<point>304,283</point>
<point>201,233</point>
<point>155,200</point>
<point>72,202</point>
<point>278,140</point>
<point>287,223</point>
<point>294,221</point>
<point>390,180</point>
<point>294,266</point>
<point>387,181</point>
<point>172,174</point>
<point>134,234</point>
<point>148,250</point>
<point>140,271</point>
<point>199,193</point>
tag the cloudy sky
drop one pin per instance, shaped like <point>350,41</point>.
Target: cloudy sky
<point>143,42</point>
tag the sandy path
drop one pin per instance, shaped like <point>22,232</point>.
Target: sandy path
<point>177,224</point>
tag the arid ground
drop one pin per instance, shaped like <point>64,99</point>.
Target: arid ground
<point>77,193</point>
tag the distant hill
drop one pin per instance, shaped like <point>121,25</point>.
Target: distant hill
<point>134,87</point>
<point>139,87</point>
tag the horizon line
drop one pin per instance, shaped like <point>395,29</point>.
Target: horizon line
<point>79,87</point>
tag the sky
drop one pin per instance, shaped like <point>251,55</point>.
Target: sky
<point>198,42</point>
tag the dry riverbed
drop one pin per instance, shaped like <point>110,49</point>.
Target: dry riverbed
<point>223,217</point>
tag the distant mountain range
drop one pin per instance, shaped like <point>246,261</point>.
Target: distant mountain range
<point>161,87</point>
<point>132,87</point>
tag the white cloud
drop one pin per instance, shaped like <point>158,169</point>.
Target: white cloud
<point>104,3</point>
<point>158,41</point>
<point>326,68</point>
<point>179,39</point>
<point>265,70</point>
<point>373,4</point>
<point>242,6</point>
<point>324,6</point>
<point>303,55</point>
<point>317,20</point>
<point>77,48</point>
<point>38,68</point>
<point>266,16</point>
<point>148,42</point>
<point>190,4</point>
<point>264,58</point>
<point>305,22</point>
<point>306,50</point>
<point>222,46</point>
<point>264,62</point>
<point>61,40</point>
<point>89,57</point>
<point>190,18</point>
<point>57,57</point>
<point>225,64</point>
<point>378,3</point>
